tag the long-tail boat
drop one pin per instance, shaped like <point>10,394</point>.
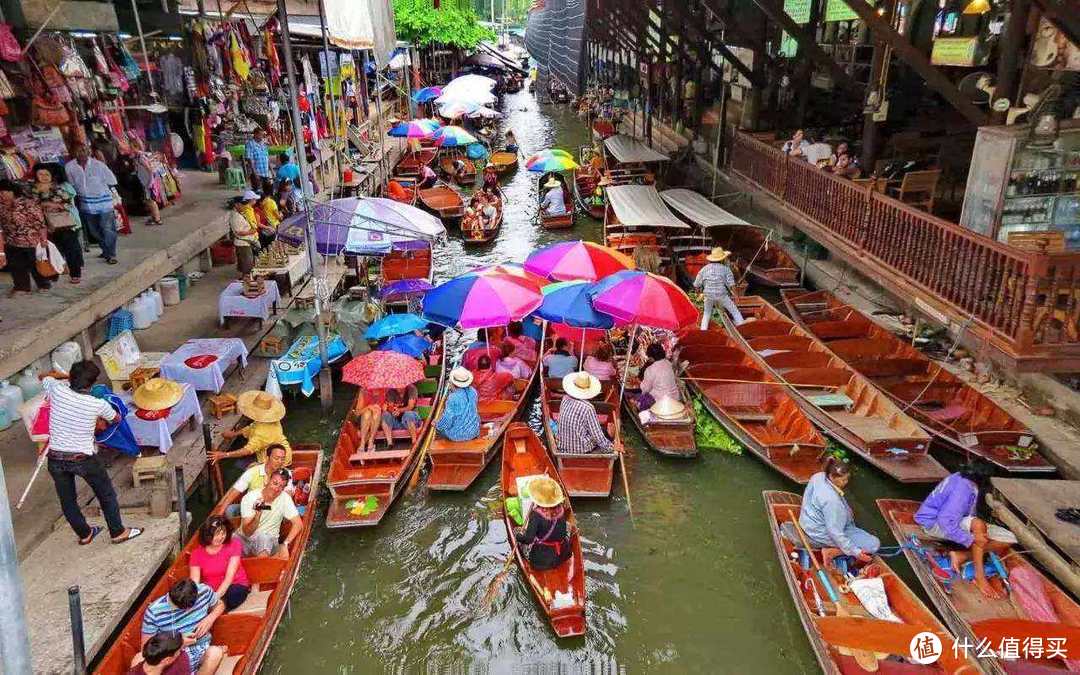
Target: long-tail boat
<point>409,185</point>
<point>688,252</point>
<point>971,615</point>
<point>750,403</point>
<point>846,636</point>
<point>557,221</point>
<point>583,475</point>
<point>444,201</point>
<point>248,629</point>
<point>965,419</point>
<point>357,476</point>
<point>466,177</point>
<point>839,400</point>
<point>523,456</point>
<point>504,162</point>
<point>671,438</point>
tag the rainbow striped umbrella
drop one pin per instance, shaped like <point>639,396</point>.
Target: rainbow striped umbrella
<point>452,137</point>
<point>571,260</point>
<point>419,128</point>
<point>481,301</point>
<point>551,163</point>
<point>644,298</point>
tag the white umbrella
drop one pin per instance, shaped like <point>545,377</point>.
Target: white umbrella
<point>474,98</point>
<point>485,112</point>
<point>469,83</point>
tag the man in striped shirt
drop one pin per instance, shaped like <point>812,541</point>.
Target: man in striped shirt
<point>73,418</point>
<point>94,182</point>
<point>717,282</point>
<point>579,431</point>
<point>190,609</point>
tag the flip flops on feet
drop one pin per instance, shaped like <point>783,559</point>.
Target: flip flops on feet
<point>131,533</point>
<point>1070,515</point>
<point>94,532</point>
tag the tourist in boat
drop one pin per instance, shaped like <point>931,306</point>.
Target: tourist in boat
<point>265,412</point>
<point>460,420</point>
<point>560,362</point>
<point>554,203</point>
<point>796,145</point>
<point>190,609</point>
<point>490,383</point>
<point>428,177</point>
<point>525,347</point>
<point>658,380</point>
<point>367,416</point>
<point>508,363</point>
<point>600,363</point>
<point>261,514</point>
<point>399,412</point>
<point>948,513</point>
<point>459,170</point>
<point>397,191</point>
<point>578,430</point>
<point>491,178</point>
<point>545,538</point>
<point>162,654</point>
<point>717,284</point>
<point>478,348</point>
<point>511,142</point>
<point>253,478</point>
<point>216,562</point>
<point>488,213</point>
<point>826,518</point>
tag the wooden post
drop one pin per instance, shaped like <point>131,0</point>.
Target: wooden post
<point>871,128</point>
<point>1010,53</point>
<point>805,70</point>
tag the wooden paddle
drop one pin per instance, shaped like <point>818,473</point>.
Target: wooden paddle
<point>427,441</point>
<point>621,449</point>
<point>497,582</point>
<point>875,635</point>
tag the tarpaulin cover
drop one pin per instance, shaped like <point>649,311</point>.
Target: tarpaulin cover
<point>362,24</point>
<point>553,37</point>
<point>699,209</point>
<point>626,149</point>
<point>640,206</point>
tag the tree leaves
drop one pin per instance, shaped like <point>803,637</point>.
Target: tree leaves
<point>454,23</point>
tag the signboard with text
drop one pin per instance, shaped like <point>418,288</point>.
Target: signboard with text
<point>955,51</point>
<point>799,11</point>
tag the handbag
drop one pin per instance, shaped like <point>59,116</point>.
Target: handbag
<point>48,113</point>
<point>45,262</point>
<point>58,220</point>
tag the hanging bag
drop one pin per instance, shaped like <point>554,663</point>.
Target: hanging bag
<point>46,262</point>
<point>48,113</point>
<point>9,46</point>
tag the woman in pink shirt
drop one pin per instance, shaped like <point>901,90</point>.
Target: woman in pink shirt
<point>508,363</point>
<point>599,365</point>
<point>658,380</point>
<point>216,562</point>
<point>525,348</point>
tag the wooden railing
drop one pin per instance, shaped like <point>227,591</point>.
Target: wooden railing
<point>1025,304</point>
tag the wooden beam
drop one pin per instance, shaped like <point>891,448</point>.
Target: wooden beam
<point>934,78</point>
<point>808,43</point>
<point>727,54</point>
<point>1065,14</point>
<point>1010,56</point>
<point>685,21</point>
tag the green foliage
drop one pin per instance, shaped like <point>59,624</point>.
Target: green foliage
<point>836,450</point>
<point>454,23</point>
<point>710,434</point>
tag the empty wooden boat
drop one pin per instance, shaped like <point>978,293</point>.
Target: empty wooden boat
<point>846,637</point>
<point>466,177</point>
<point>523,456</point>
<point>248,629</point>
<point>504,162</point>
<point>840,401</point>
<point>444,201</point>
<point>364,484</point>
<point>556,221</point>
<point>964,418</point>
<point>409,185</point>
<point>971,615</point>
<point>627,161</point>
<point>583,475</point>
<point>750,403</point>
<point>410,163</point>
<point>475,231</point>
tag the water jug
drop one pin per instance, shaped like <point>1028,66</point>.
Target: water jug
<point>5,418</point>
<point>170,291</point>
<point>158,303</point>
<point>11,398</point>
<point>65,356</point>
<point>143,312</point>
<point>29,383</point>
<point>151,304</point>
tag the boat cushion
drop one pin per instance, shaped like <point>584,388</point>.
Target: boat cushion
<point>255,603</point>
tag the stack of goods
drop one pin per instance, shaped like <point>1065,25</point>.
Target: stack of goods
<point>253,288</point>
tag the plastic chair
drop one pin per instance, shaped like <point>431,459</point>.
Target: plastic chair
<point>235,179</point>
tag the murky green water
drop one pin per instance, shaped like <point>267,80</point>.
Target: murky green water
<point>690,585</point>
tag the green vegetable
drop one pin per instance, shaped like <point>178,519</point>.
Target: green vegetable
<point>710,434</point>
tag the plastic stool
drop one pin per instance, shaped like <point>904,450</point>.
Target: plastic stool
<point>235,179</point>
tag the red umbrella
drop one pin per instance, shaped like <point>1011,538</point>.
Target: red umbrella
<point>383,370</point>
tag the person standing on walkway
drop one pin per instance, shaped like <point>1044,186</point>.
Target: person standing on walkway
<point>94,181</point>
<point>287,170</point>
<point>717,283</point>
<point>257,157</point>
<point>245,237</point>
<point>23,225</point>
<point>57,200</point>
<point>73,418</point>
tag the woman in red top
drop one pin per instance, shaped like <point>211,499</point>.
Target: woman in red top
<point>216,562</point>
<point>23,225</point>
<point>491,384</point>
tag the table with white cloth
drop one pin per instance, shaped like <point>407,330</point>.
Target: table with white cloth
<point>233,302</point>
<point>159,433</point>
<point>202,362</point>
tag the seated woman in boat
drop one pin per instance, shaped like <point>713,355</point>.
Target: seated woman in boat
<point>554,203</point>
<point>367,416</point>
<point>525,347</point>
<point>216,562</point>
<point>508,363</point>
<point>491,178</point>
<point>397,191</point>
<point>490,383</point>
<point>600,364</point>
<point>826,518</point>
<point>559,362</point>
<point>511,142</point>
<point>460,419</point>
<point>948,513</point>
<point>646,258</point>
<point>265,412</point>
<point>545,538</point>
<point>475,351</point>
<point>428,177</point>
<point>459,170</point>
<point>399,412</point>
<point>578,430</point>
<point>658,380</point>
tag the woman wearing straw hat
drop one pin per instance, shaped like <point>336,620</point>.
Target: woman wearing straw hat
<point>579,431</point>
<point>554,203</point>
<point>546,535</point>
<point>265,412</point>
<point>460,420</point>
<point>717,283</point>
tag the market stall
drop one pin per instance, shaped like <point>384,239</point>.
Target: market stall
<point>202,362</point>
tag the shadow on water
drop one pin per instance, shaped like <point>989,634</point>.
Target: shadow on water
<point>692,585</point>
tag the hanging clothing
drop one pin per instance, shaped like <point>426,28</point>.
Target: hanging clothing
<point>172,75</point>
<point>239,58</point>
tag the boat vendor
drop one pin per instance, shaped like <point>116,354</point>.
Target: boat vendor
<point>459,170</point>
<point>261,514</point>
<point>826,518</point>
<point>578,430</point>
<point>253,478</point>
<point>717,284</point>
<point>560,362</point>
<point>399,412</point>
<point>491,178</point>
<point>546,535</point>
<point>460,420</point>
<point>511,142</point>
<point>554,203</point>
<point>265,412</point>
<point>948,513</point>
<point>428,177</point>
<point>658,379</point>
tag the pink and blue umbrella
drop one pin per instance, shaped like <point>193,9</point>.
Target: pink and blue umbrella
<point>427,94</point>
<point>549,163</point>
<point>571,260</point>
<point>452,137</point>
<point>568,302</point>
<point>481,301</point>
<point>419,128</point>
<point>644,298</point>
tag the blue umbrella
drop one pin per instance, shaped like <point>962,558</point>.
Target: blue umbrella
<point>427,94</point>
<point>409,344</point>
<point>568,302</point>
<point>476,151</point>
<point>394,324</point>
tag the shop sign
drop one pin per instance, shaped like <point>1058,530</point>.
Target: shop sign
<point>954,51</point>
<point>838,10</point>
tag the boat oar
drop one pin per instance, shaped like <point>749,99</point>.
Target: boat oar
<point>497,582</point>
<point>825,581</point>
<point>621,449</point>
<point>887,637</point>
<point>427,440</point>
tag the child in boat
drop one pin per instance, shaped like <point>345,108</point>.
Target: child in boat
<point>545,539</point>
<point>826,518</point>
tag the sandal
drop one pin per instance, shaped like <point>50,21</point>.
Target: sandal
<point>150,222</point>
<point>94,532</point>
<point>132,533</point>
<point>1070,515</point>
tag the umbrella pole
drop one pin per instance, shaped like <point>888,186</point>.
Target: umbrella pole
<point>618,422</point>
<point>581,355</point>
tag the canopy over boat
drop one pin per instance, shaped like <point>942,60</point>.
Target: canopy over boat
<point>628,150</point>
<point>641,206</point>
<point>699,209</point>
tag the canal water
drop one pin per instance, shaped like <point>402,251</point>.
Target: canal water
<point>690,584</point>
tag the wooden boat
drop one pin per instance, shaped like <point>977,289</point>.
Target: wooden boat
<point>965,609</point>
<point>638,224</point>
<point>583,475</point>
<point>483,235</point>
<point>668,438</point>
<point>410,191</point>
<point>840,401</point>
<point>556,222</point>
<point>446,165</point>
<point>688,257</point>
<point>524,455</point>
<point>504,162</point>
<point>956,413</point>
<point>848,639</point>
<point>248,629</point>
<point>755,408</point>
<point>584,186</point>
<point>455,465</point>
<point>444,201</point>
<point>410,163</point>
<point>355,474</point>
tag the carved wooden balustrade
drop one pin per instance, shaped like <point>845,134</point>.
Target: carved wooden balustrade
<point>1025,305</point>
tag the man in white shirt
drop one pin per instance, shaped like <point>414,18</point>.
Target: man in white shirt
<point>261,514</point>
<point>554,203</point>
<point>254,478</point>
<point>94,181</point>
<point>73,418</point>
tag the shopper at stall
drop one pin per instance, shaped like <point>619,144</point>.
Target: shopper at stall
<point>57,200</point>
<point>257,158</point>
<point>287,171</point>
<point>289,199</point>
<point>94,181</point>
<point>23,224</point>
<point>245,237</point>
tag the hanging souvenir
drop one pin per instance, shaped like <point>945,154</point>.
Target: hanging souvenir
<point>239,60</point>
<point>100,64</point>
<point>56,83</point>
<point>128,63</point>
<point>6,90</point>
<point>49,50</point>
<point>271,55</point>
<point>48,112</point>
<point>9,46</point>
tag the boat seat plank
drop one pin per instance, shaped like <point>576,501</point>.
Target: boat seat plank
<point>228,665</point>
<point>867,428</point>
<point>831,400</point>
<point>255,603</point>
<point>379,454</point>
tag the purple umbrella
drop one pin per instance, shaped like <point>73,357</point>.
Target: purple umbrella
<point>405,286</point>
<point>361,225</point>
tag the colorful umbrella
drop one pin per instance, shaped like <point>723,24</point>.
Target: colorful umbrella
<point>362,225</point>
<point>405,286</point>
<point>481,301</point>
<point>419,128</point>
<point>568,302</point>
<point>476,151</point>
<point>452,137</point>
<point>515,270</point>
<point>551,151</point>
<point>427,94</point>
<point>394,324</point>
<point>383,370</point>
<point>644,298</point>
<point>570,260</point>
<point>548,163</point>
<point>409,344</point>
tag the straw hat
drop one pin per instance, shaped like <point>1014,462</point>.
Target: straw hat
<point>718,255</point>
<point>260,406</point>
<point>668,408</point>
<point>461,377</point>
<point>157,394</point>
<point>545,491</point>
<point>581,385</point>
<point>552,183</point>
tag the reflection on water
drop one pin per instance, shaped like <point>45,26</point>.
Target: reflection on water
<point>691,584</point>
